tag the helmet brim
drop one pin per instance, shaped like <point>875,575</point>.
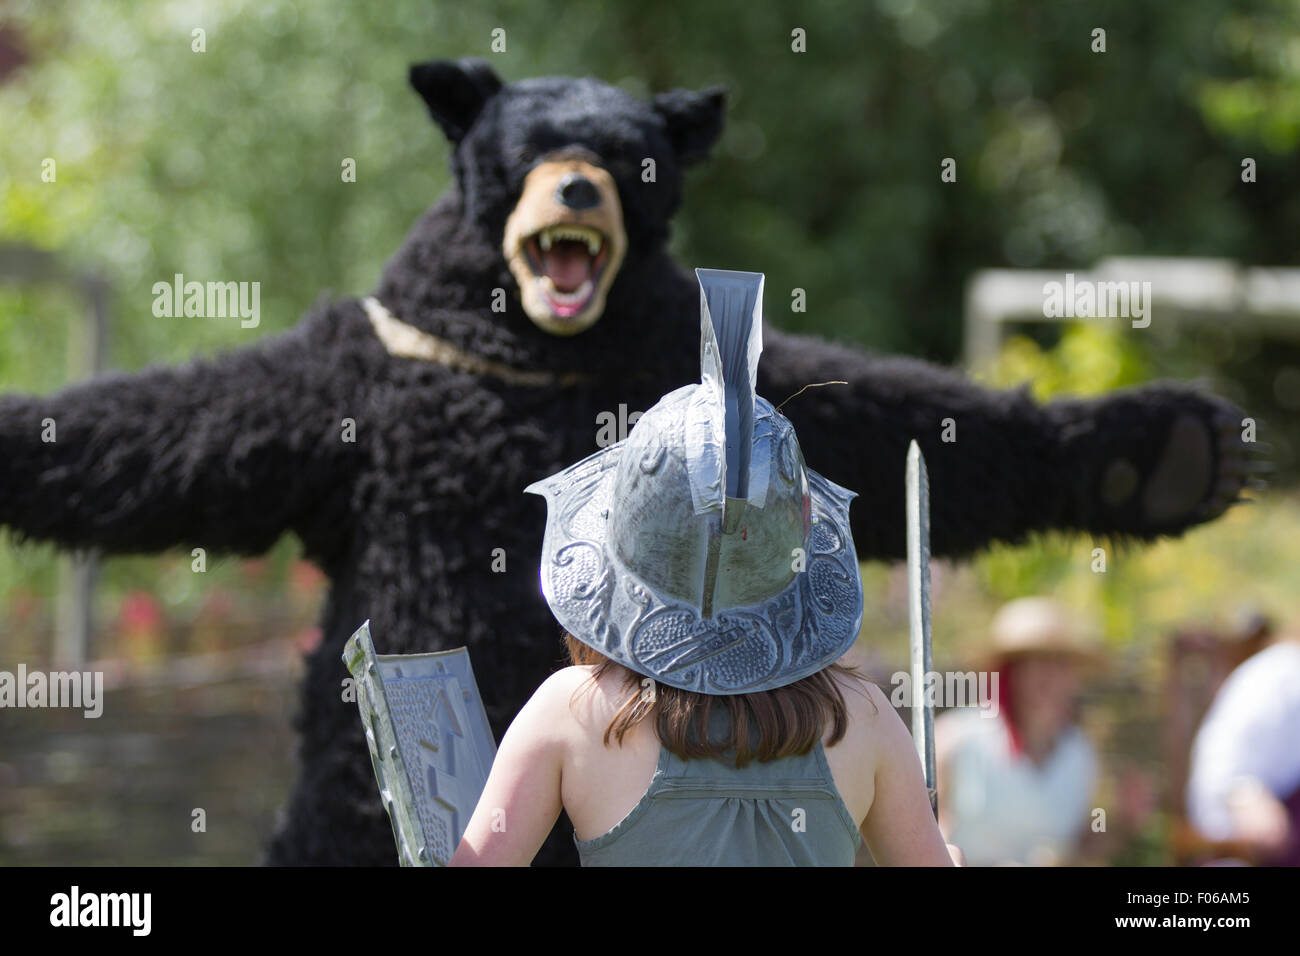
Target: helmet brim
<point>601,602</point>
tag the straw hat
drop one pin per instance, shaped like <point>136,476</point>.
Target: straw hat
<point>1040,625</point>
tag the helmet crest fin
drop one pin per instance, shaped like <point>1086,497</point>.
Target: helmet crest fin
<point>701,551</point>
<point>731,339</point>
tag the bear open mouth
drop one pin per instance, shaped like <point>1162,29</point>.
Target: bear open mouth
<point>568,261</point>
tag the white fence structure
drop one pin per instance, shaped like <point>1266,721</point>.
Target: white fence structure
<point>1182,290</point>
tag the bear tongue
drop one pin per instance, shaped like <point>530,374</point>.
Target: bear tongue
<point>568,265</point>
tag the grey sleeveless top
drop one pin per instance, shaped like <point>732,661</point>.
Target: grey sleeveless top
<point>708,812</point>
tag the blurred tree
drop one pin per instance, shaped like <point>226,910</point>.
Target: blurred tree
<point>226,163</point>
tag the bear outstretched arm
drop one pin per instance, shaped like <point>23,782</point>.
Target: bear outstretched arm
<point>1137,463</point>
<point>224,453</point>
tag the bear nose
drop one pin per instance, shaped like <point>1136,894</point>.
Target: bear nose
<point>577,192</point>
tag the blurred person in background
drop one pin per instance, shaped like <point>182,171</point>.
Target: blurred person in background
<point>1244,786</point>
<point>1016,780</point>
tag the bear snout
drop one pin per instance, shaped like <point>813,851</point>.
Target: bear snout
<point>577,192</point>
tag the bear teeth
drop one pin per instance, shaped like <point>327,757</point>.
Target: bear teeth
<point>590,237</point>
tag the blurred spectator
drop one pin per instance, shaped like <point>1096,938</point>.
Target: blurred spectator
<point>1244,786</point>
<point>1016,780</point>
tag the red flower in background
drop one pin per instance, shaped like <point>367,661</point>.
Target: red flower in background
<point>254,570</point>
<point>140,612</point>
<point>141,625</point>
<point>307,640</point>
<point>306,578</point>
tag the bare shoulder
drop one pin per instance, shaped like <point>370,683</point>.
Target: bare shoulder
<point>567,679</point>
<point>862,695</point>
<point>853,759</point>
<point>577,696</point>
<point>876,732</point>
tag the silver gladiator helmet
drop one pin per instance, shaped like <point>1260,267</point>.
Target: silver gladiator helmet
<point>701,551</point>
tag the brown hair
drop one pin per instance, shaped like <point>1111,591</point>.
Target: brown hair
<point>789,720</point>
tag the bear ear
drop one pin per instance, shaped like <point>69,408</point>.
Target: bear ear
<point>455,91</point>
<point>694,120</point>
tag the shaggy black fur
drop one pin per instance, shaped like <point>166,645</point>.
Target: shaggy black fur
<point>230,453</point>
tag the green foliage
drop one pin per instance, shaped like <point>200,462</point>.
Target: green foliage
<point>1090,359</point>
<point>1260,108</point>
<point>1248,556</point>
<point>226,164</point>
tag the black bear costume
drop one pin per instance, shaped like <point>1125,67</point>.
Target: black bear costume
<point>395,435</point>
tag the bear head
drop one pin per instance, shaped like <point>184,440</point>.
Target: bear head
<point>572,179</point>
